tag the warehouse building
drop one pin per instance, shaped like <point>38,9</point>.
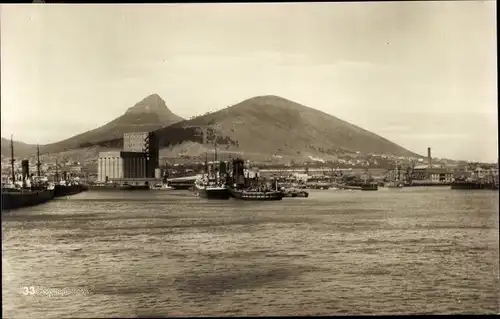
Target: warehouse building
<point>146,143</point>
<point>137,162</point>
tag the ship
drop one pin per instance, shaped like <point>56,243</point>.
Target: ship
<point>369,187</point>
<point>368,184</point>
<point>164,187</point>
<point>242,188</point>
<point>319,185</point>
<point>212,186</point>
<point>488,182</point>
<point>293,192</point>
<point>473,185</point>
<point>211,189</point>
<point>395,178</point>
<point>182,182</point>
<point>38,192</point>
<point>17,198</point>
<point>61,190</point>
<point>66,187</point>
<point>252,194</point>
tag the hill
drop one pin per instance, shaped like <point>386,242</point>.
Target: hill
<point>263,127</point>
<point>274,125</point>
<point>149,114</point>
<point>19,148</point>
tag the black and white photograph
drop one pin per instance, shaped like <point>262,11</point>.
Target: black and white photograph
<point>249,159</point>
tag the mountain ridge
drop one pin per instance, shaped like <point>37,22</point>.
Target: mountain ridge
<point>148,114</point>
<point>266,124</point>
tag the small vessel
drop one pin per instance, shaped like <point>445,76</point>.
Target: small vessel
<point>489,181</point>
<point>164,187</point>
<point>251,194</point>
<point>211,189</point>
<point>292,192</point>
<point>38,192</point>
<point>319,185</point>
<point>182,182</point>
<point>240,187</point>
<point>369,187</point>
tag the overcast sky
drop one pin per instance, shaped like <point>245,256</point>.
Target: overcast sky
<point>420,74</point>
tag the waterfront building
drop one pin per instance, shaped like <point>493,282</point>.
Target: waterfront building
<point>113,165</point>
<point>137,161</point>
<point>433,173</point>
<point>146,143</point>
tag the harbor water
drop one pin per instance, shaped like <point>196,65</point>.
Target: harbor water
<point>167,253</point>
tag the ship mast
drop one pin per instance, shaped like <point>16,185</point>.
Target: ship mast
<point>397,171</point>
<point>57,172</point>
<point>206,163</point>
<point>215,161</point>
<point>38,160</point>
<point>12,159</point>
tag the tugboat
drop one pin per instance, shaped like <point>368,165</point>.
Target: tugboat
<point>38,192</point>
<point>239,187</point>
<point>211,189</point>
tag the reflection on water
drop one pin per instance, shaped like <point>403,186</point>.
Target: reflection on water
<point>415,250</point>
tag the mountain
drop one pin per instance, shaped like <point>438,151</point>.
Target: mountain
<point>149,114</point>
<point>19,148</point>
<point>258,127</point>
<point>274,125</point>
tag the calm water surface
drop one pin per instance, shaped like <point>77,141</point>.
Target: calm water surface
<point>168,253</point>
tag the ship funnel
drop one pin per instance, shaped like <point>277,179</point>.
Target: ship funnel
<point>429,158</point>
<point>25,166</point>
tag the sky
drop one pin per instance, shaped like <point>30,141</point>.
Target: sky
<point>421,74</point>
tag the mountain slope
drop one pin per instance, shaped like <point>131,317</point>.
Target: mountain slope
<point>148,115</point>
<point>274,125</point>
<point>20,148</point>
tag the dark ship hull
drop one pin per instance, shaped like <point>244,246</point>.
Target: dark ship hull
<point>134,187</point>
<point>296,194</point>
<point>64,190</point>
<point>212,193</point>
<point>473,185</point>
<point>255,195</point>
<point>182,186</point>
<point>17,199</point>
<point>369,187</point>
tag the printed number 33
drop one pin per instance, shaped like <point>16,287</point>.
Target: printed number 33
<point>29,290</point>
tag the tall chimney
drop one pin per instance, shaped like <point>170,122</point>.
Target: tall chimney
<point>429,158</point>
